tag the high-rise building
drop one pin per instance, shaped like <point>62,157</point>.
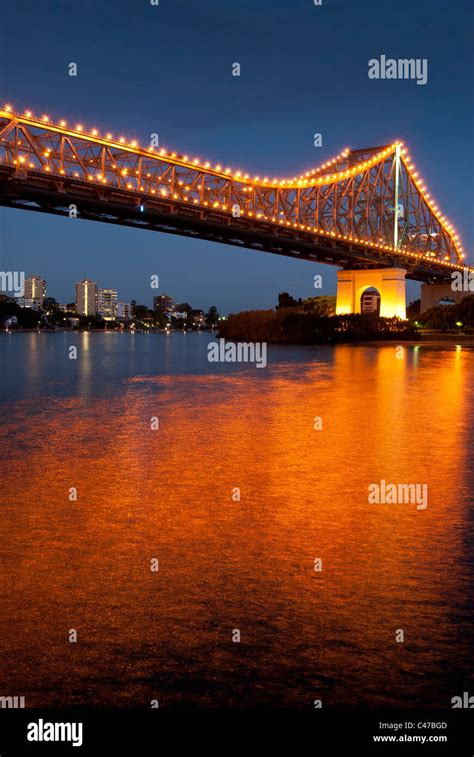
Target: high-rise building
<point>35,289</point>
<point>86,297</point>
<point>124,311</point>
<point>107,304</point>
<point>163,303</point>
<point>370,301</point>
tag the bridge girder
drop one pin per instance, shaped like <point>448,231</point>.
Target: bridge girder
<point>363,208</point>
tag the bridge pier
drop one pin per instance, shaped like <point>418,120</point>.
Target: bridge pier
<point>390,283</point>
<point>431,294</point>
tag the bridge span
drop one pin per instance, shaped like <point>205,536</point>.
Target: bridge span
<point>367,211</point>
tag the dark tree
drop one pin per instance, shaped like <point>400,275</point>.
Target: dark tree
<point>183,307</point>
<point>141,311</point>
<point>213,316</point>
<point>285,300</point>
<point>413,310</point>
<point>50,305</point>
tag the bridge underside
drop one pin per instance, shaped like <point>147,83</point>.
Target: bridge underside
<point>47,194</point>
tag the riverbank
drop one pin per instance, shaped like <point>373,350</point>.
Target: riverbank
<point>431,339</point>
<point>292,326</point>
<point>105,331</point>
<point>307,322</point>
<point>462,340</point>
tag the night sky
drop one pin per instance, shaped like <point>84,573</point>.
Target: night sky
<point>168,69</point>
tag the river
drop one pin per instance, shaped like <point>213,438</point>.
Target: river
<point>161,507</point>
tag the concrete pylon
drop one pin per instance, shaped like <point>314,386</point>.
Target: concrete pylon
<point>431,294</point>
<point>390,283</point>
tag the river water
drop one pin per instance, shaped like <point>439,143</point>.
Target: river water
<point>230,565</point>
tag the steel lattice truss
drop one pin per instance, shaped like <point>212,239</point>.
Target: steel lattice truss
<point>363,207</point>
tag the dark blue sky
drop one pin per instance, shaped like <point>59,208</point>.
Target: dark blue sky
<point>167,69</point>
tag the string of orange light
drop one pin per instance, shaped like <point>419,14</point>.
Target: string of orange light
<point>307,180</point>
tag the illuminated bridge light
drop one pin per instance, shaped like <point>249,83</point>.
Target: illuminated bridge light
<point>331,172</point>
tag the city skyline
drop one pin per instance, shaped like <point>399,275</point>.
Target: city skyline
<point>92,299</point>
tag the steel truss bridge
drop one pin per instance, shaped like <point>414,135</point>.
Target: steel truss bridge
<point>363,209</point>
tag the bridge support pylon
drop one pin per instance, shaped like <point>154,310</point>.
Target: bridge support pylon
<point>431,294</point>
<point>389,282</point>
